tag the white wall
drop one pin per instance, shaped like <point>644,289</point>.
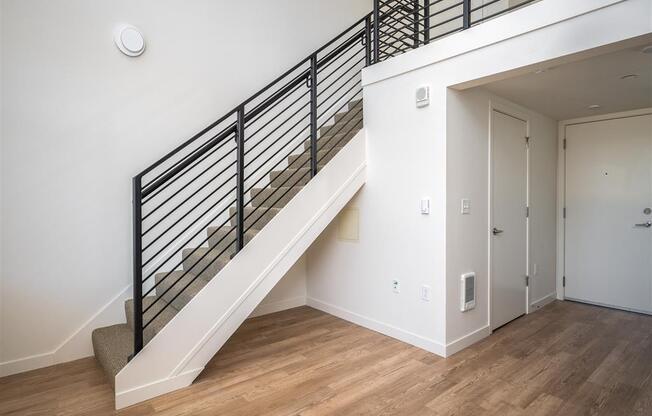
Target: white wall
<point>290,292</point>
<point>80,120</point>
<point>1,159</point>
<point>467,244</point>
<point>407,160</point>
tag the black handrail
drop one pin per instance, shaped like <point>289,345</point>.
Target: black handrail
<point>287,114</point>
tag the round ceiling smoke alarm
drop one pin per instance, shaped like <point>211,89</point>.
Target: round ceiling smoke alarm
<point>129,40</point>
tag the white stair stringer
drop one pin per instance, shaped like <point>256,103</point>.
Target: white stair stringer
<point>179,352</point>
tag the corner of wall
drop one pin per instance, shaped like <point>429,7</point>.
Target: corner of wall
<point>290,292</point>
<point>76,346</point>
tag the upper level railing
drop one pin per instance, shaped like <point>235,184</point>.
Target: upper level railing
<point>209,179</point>
<point>409,24</point>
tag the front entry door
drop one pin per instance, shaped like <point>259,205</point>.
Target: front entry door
<point>509,220</point>
<point>609,213</point>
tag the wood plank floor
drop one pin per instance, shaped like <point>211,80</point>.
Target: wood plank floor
<point>567,359</point>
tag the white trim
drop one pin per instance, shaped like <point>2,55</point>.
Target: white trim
<point>540,303</point>
<point>76,346</point>
<point>427,344</point>
<point>278,306</point>
<point>467,340</point>
<point>32,362</point>
<point>606,305</point>
<point>157,388</point>
<point>561,185</point>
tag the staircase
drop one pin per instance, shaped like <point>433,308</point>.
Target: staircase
<point>219,220</point>
<point>114,344</point>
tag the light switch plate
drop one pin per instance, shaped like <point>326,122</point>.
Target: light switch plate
<point>466,206</point>
<point>424,293</point>
<point>425,206</point>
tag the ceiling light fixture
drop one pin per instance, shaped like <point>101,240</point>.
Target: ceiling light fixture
<point>629,76</point>
<point>647,49</point>
<point>594,107</point>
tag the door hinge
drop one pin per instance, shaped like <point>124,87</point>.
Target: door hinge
<point>527,141</point>
<point>527,212</point>
<point>564,281</point>
<point>564,212</point>
<point>565,144</point>
<point>527,281</point>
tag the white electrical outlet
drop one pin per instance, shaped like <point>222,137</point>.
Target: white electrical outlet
<point>424,293</point>
<point>396,286</point>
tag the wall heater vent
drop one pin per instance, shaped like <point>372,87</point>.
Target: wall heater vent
<point>467,290</point>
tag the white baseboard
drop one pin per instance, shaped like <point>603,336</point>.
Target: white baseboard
<point>157,388</point>
<point>278,306</point>
<point>76,346</point>
<point>540,303</point>
<point>383,328</point>
<point>467,340</point>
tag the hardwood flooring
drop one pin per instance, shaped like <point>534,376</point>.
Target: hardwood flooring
<point>566,359</point>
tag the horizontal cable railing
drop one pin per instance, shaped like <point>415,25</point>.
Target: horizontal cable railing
<point>198,205</point>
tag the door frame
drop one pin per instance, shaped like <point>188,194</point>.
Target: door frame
<point>561,184</point>
<point>522,114</point>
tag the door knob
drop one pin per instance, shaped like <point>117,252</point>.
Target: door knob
<point>496,231</point>
<point>645,224</point>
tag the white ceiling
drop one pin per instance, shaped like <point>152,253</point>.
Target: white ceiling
<point>566,91</point>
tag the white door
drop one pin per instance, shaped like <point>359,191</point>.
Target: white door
<point>509,221</point>
<point>609,213</point>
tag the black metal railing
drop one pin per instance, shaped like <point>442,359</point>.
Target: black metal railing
<point>413,23</point>
<point>209,182</point>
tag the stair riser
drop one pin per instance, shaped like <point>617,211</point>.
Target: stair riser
<point>266,197</point>
<point>328,141</point>
<point>355,104</point>
<point>195,263</point>
<point>257,220</point>
<point>356,114</point>
<point>157,324</point>
<point>323,157</point>
<point>217,241</point>
<point>290,177</point>
<point>185,296</point>
<point>342,127</point>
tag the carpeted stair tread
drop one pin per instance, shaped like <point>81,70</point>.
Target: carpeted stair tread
<point>255,218</point>
<point>273,197</point>
<point>206,260</point>
<point>113,345</point>
<point>166,314</point>
<point>323,156</point>
<point>168,289</point>
<point>221,237</point>
<point>290,177</point>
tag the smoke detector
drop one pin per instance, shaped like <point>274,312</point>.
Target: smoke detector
<point>129,40</point>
